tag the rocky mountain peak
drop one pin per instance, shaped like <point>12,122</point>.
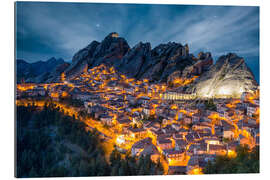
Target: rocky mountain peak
<point>142,45</point>
<point>136,60</point>
<point>112,44</point>
<point>165,63</point>
<point>203,56</point>
<point>113,35</point>
<point>173,49</point>
<point>228,76</point>
<point>110,51</point>
<point>85,52</point>
<point>51,59</point>
<point>230,58</point>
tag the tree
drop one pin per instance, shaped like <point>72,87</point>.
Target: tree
<point>115,157</point>
<point>39,152</point>
<point>114,171</point>
<point>244,162</point>
<point>210,105</point>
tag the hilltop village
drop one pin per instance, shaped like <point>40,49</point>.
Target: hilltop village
<point>181,130</point>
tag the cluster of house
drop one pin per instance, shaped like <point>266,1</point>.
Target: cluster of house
<point>167,134</point>
<point>30,90</point>
<point>163,129</point>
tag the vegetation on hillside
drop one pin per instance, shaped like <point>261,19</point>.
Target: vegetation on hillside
<point>210,105</point>
<point>50,143</point>
<point>244,162</point>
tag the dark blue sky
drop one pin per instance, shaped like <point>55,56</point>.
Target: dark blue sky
<point>61,29</point>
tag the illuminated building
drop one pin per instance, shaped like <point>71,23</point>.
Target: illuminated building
<point>164,143</point>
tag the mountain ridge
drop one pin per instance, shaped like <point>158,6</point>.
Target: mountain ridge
<point>166,63</point>
<point>27,72</point>
<point>136,61</point>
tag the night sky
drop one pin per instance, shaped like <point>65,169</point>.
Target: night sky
<point>47,30</point>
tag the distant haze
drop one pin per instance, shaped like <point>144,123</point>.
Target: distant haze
<point>61,29</point>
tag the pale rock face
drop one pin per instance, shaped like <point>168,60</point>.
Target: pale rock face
<point>229,76</point>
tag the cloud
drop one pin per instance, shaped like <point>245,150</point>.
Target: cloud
<point>216,29</point>
<point>50,29</point>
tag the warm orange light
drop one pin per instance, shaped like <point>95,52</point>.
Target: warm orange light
<point>63,77</point>
<point>183,82</point>
<point>196,171</point>
<point>145,80</point>
<point>54,95</point>
<point>117,136</point>
<point>64,94</point>
<point>25,87</point>
<point>245,133</point>
<point>232,154</point>
<point>174,106</point>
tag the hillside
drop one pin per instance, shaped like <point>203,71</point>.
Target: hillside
<point>28,72</point>
<point>170,63</point>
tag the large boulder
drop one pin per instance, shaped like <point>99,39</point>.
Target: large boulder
<point>229,76</point>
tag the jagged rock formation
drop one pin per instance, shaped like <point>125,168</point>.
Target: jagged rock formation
<point>138,62</point>
<point>167,59</point>
<point>110,51</point>
<point>165,63</point>
<point>80,60</point>
<point>229,76</point>
<point>202,64</point>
